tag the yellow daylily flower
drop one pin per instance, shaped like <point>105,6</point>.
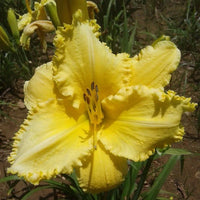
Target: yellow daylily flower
<point>42,27</point>
<point>38,13</point>
<point>91,110</point>
<point>92,9</point>
<point>35,20</point>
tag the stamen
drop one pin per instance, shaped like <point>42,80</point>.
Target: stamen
<point>94,107</point>
<point>88,91</point>
<point>92,85</point>
<point>95,137</point>
<point>96,87</point>
<point>95,114</point>
<point>88,100</point>
<point>84,97</point>
<point>96,97</point>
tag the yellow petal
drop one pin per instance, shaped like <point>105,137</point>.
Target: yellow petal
<point>92,9</point>
<point>101,171</point>
<point>81,58</point>
<point>154,64</point>
<point>42,26</point>
<point>24,20</point>
<point>49,143</point>
<point>41,86</point>
<point>41,13</point>
<point>139,119</point>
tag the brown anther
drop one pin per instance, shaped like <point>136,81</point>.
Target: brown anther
<point>84,97</point>
<point>88,91</point>
<point>94,107</point>
<point>96,88</point>
<point>96,97</point>
<point>88,100</point>
<point>92,85</point>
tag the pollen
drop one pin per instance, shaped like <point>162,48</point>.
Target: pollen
<point>91,98</point>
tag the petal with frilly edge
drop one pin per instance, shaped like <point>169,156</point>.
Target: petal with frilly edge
<point>139,119</point>
<point>81,59</point>
<point>41,86</point>
<point>49,143</point>
<point>154,64</point>
<point>101,171</point>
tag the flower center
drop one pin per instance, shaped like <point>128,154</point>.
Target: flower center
<point>95,113</point>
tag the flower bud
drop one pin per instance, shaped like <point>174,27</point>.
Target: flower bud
<point>51,10</point>
<point>12,21</point>
<point>5,43</point>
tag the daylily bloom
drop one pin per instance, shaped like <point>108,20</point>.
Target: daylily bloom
<point>42,27</point>
<point>35,20</point>
<point>32,15</point>
<point>91,110</point>
<point>92,9</point>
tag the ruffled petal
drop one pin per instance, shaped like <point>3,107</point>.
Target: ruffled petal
<point>154,64</point>
<point>49,143</point>
<point>24,20</point>
<point>41,86</point>
<point>139,119</point>
<point>101,171</point>
<point>81,59</point>
<point>41,26</point>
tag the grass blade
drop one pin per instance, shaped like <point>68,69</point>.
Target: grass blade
<point>27,195</point>
<point>143,178</point>
<point>155,189</point>
<point>9,178</point>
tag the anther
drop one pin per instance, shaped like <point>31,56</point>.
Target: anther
<point>88,100</point>
<point>84,97</point>
<point>92,85</point>
<point>94,107</point>
<point>96,97</point>
<point>96,88</point>
<point>88,91</point>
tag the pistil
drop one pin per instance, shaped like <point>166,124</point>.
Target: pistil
<point>94,109</point>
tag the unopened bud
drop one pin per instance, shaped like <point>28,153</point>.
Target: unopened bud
<point>5,43</point>
<point>12,21</point>
<point>51,11</point>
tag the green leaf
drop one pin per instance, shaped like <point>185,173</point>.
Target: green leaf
<point>178,152</point>
<point>155,189</point>
<point>132,39</point>
<point>10,178</point>
<point>143,177</point>
<point>106,18</point>
<point>27,195</point>
<point>56,184</point>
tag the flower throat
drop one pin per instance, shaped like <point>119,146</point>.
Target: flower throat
<point>94,109</point>
<point>93,104</point>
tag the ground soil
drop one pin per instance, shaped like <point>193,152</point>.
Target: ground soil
<point>183,185</point>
